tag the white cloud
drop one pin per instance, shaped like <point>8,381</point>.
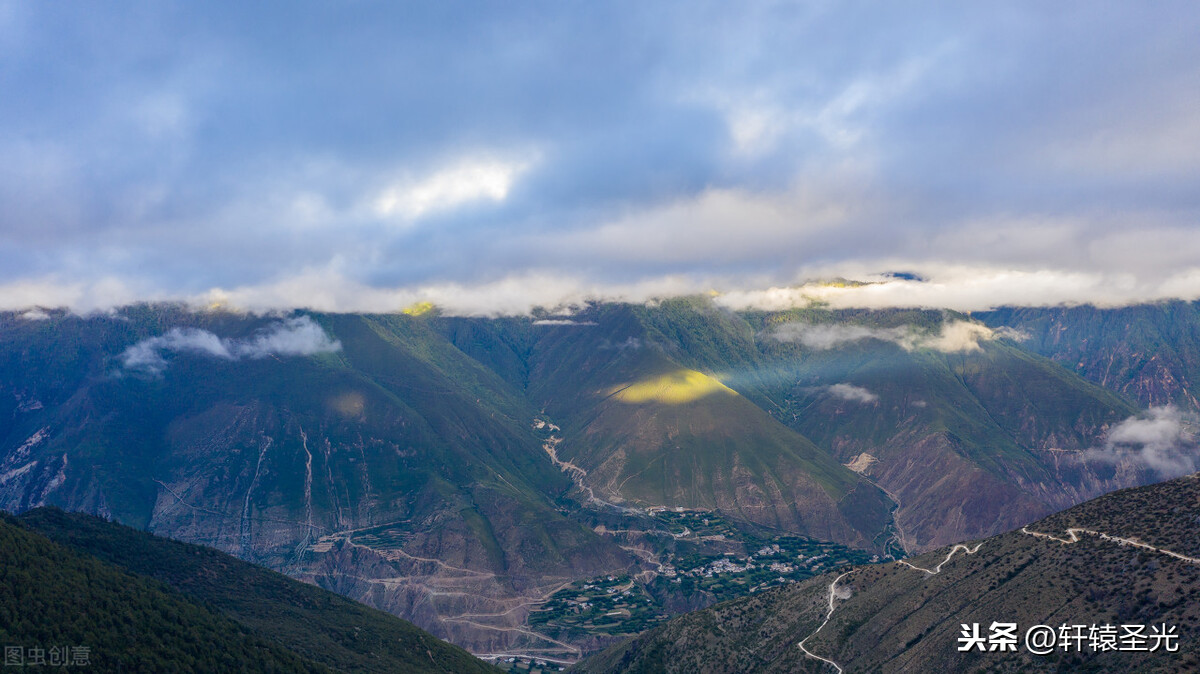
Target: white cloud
<point>1014,334</point>
<point>299,336</point>
<point>758,119</point>
<point>630,343</point>
<point>951,337</point>
<point>965,288</point>
<point>329,288</point>
<point>101,295</point>
<point>853,393</point>
<point>757,144</point>
<point>515,295</point>
<point>955,337</point>
<point>562,321</point>
<point>148,353</point>
<point>461,183</point>
<point>1163,440</point>
<point>829,336</point>
<point>718,226</point>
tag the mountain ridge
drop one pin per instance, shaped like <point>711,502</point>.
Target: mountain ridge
<point>907,615</point>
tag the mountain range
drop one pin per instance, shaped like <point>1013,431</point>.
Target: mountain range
<point>459,472</point>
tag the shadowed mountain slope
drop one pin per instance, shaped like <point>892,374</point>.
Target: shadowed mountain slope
<point>459,472</point>
<point>312,623</point>
<point>656,407</point>
<point>949,430</point>
<point>52,597</point>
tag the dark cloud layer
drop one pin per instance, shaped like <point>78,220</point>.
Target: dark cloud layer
<point>490,157</point>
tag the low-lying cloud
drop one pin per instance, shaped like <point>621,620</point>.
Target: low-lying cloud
<point>563,321</point>
<point>630,343</point>
<point>333,289</point>
<point>1163,440</point>
<point>299,336</point>
<point>951,337</point>
<point>978,287</point>
<point>853,393</point>
<point>829,336</point>
<point>1014,334</point>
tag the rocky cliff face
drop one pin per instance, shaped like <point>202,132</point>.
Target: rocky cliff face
<point>1149,353</point>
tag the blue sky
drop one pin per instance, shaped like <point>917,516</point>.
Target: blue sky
<point>491,157</point>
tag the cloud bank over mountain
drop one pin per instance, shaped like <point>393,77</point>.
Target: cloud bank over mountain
<point>950,337</point>
<point>494,159</point>
<point>1163,439</point>
<point>852,393</point>
<point>299,336</point>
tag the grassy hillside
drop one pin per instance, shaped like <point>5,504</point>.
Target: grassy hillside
<point>892,617</point>
<point>52,596</point>
<point>648,422</point>
<point>312,623</point>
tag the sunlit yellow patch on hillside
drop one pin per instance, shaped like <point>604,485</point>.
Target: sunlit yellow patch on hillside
<point>419,309</point>
<point>676,388</point>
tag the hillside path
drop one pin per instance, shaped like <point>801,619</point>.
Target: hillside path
<point>833,596</point>
<point>1074,538</point>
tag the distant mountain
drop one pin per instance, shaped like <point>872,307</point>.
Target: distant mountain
<point>1149,353</point>
<point>136,602</point>
<point>1128,558</point>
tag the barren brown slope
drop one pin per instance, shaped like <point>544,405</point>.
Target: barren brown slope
<point>897,618</point>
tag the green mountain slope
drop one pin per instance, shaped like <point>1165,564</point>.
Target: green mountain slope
<point>644,421</point>
<point>52,597</point>
<point>892,617</point>
<point>312,623</point>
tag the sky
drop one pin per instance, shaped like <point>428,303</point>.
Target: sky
<point>495,157</point>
